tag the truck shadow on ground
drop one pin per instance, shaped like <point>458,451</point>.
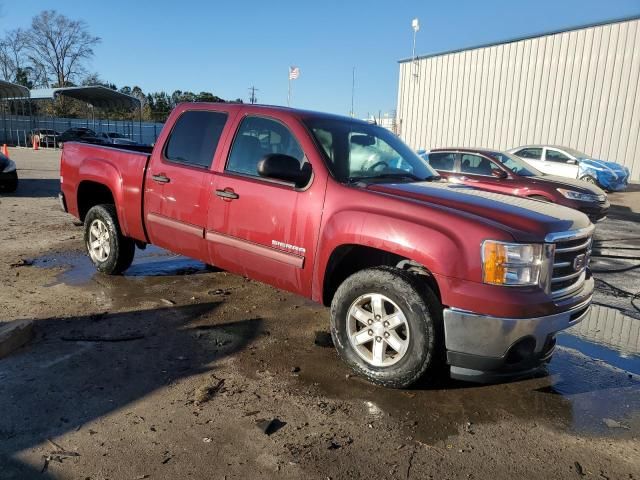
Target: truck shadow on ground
<point>82,368</point>
<point>35,188</point>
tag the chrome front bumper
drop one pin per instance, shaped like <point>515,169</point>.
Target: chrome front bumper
<point>484,348</point>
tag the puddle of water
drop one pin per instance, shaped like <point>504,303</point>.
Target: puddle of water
<point>607,335</point>
<point>150,262</point>
<point>593,376</point>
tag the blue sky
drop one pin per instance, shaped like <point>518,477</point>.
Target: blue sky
<point>225,47</point>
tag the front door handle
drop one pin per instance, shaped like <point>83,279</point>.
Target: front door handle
<point>227,194</point>
<point>160,178</point>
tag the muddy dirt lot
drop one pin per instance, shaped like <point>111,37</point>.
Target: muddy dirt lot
<point>176,370</point>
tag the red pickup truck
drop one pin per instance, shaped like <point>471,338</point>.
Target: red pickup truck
<point>341,211</point>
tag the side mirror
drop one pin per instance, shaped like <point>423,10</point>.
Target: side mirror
<point>499,173</point>
<point>285,168</point>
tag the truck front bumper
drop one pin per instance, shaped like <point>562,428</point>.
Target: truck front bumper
<point>483,348</point>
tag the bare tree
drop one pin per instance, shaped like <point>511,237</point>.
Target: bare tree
<point>59,46</point>
<point>12,60</point>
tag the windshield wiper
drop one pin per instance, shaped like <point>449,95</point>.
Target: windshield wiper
<point>408,175</point>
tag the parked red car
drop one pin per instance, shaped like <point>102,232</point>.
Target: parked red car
<point>345,213</point>
<point>504,172</point>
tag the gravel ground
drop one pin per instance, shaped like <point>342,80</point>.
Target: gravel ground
<point>177,370</point>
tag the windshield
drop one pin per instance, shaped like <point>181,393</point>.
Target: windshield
<point>517,166</point>
<point>358,151</point>
<point>576,153</point>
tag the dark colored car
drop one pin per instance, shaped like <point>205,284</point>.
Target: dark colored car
<point>115,138</point>
<point>76,134</point>
<point>8,175</point>
<point>505,173</point>
<point>48,137</point>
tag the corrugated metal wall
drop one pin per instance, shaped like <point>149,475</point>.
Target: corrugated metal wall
<point>609,327</point>
<point>579,88</point>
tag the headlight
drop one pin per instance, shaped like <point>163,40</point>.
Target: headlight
<point>584,197</point>
<point>515,264</point>
<point>11,167</point>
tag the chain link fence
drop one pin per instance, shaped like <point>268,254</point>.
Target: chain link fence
<point>15,130</point>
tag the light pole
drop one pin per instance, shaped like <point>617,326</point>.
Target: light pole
<point>353,90</point>
<point>415,25</point>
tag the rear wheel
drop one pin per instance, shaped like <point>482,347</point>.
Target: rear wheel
<point>385,325</point>
<point>589,179</point>
<point>110,251</point>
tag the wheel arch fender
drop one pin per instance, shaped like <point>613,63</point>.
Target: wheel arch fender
<point>102,172</point>
<point>439,249</point>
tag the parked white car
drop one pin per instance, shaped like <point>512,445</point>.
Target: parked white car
<point>567,162</point>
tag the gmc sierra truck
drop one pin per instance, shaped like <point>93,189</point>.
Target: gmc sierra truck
<point>418,273</point>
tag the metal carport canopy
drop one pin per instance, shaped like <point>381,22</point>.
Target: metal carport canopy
<point>12,91</point>
<point>96,95</point>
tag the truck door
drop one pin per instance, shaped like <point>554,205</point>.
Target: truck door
<point>176,197</point>
<point>259,227</point>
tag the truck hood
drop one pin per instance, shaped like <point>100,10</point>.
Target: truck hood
<point>569,183</point>
<point>525,219</point>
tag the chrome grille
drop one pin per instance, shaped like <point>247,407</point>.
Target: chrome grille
<point>570,262</point>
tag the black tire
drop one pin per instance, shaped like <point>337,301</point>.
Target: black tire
<point>9,186</point>
<point>121,248</point>
<point>421,309</point>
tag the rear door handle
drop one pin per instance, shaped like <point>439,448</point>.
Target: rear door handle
<point>227,194</point>
<point>160,178</point>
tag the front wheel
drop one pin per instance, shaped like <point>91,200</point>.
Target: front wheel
<point>385,325</point>
<point>110,251</point>
<point>589,179</point>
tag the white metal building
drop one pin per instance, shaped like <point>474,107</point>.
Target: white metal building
<point>578,88</point>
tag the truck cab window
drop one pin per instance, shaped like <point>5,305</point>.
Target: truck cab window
<point>194,138</point>
<point>257,137</point>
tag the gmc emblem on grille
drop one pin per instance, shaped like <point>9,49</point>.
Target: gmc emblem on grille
<point>579,262</point>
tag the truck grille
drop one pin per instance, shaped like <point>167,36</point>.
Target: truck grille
<point>570,263</point>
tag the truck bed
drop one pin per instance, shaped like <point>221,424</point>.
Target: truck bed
<point>85,167</point>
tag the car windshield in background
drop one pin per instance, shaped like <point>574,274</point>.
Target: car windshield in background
<point>358,151</point>
<point>576,153</point>
<point>517,166</point>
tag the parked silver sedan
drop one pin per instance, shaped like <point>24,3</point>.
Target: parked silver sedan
<point>568,162</point>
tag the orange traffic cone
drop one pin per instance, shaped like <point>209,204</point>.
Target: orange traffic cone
<point>5,150</point>
<point>36,142</point>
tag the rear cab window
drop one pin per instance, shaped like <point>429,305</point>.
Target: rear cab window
<point>195,137</point>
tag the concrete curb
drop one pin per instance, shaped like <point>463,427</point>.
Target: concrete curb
<point>14,335</point>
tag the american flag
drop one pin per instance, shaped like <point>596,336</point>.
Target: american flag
<point>294,72</point>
